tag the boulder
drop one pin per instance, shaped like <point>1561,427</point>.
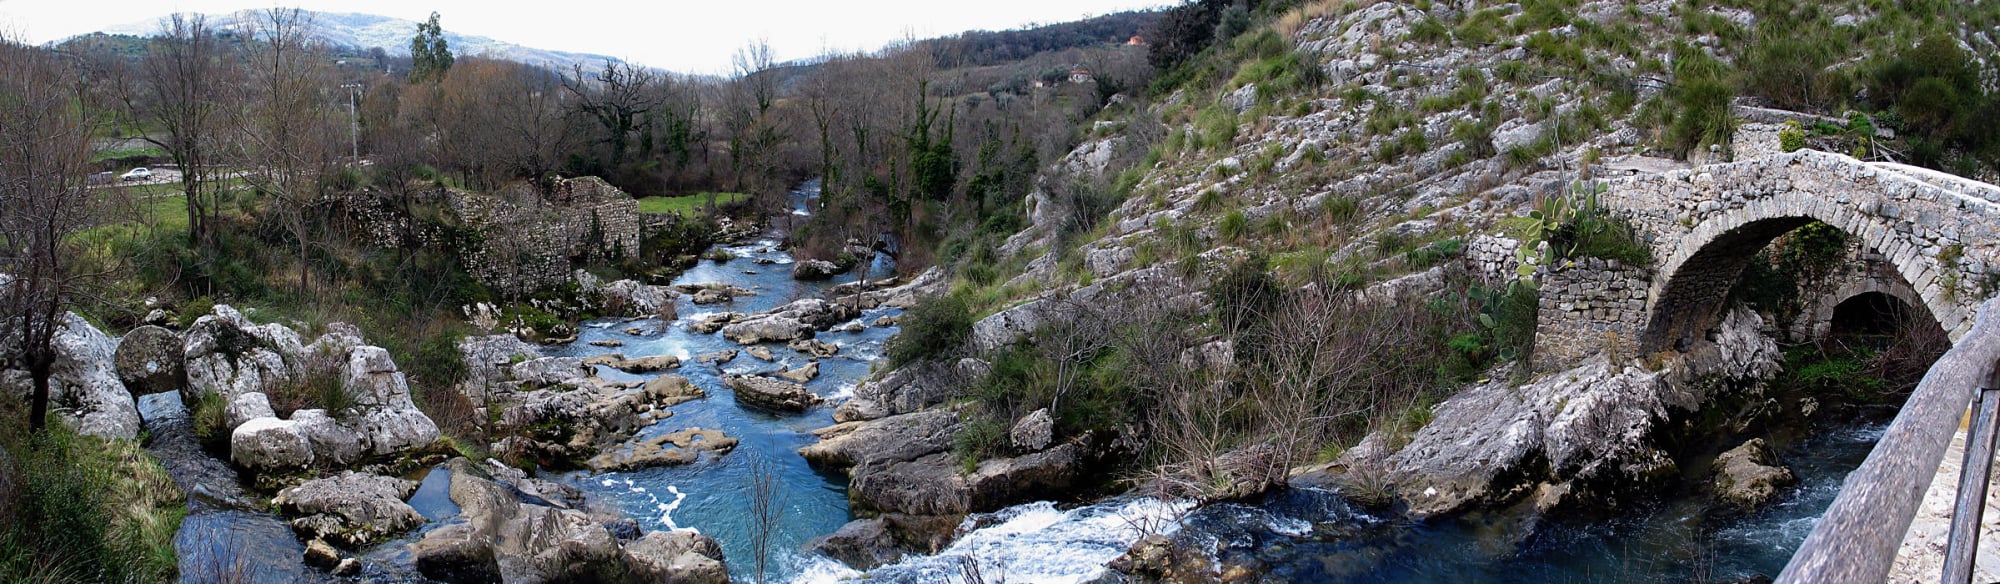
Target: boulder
<point>351,509</point>
<point>802,373</point>
<point>550,371</point>
<point>713,322</point>
<point>928,485</point>
<point>320,554</point>
<point>814,270</point>
<point>228,354</point>
<point>716,358</point>
<point>1041,475</point>
<point>1008,326</point>
<point>247,407</point>
<point>609,343</point>
<point>761,353</point>
<point>565,426</point>
<point>507,537</point>
<point>634,299</point>
<point>771,394</point>
<point>909,388</point>
<point>814,348</point>
<point>332,443</point>
<point>489,360</point>
<point>893,439</point>
<point>1034,431</point>
<point>151,360</point>
<point>1748,476</point>
<point>83,384</point>
<point>678,556</point>
<point>675,448</point>
<point>862,544</point>
<point>648,364</point>
<point>777,327</point>
<point>270,443</point>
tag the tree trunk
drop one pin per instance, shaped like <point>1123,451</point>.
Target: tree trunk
<point>39,367</point>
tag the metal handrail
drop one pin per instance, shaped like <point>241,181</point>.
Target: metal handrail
<point>1857,539</point>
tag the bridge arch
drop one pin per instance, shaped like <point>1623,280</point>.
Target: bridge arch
<point>1694,279</point>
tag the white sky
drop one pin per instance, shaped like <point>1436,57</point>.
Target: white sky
<point>681,35</point>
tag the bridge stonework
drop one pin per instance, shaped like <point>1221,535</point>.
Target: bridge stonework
<point>1940,233</point>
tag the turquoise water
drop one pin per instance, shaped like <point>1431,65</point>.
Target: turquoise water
<point>712,494</point>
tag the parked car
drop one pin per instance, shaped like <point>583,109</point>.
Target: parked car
<point>141,173</point>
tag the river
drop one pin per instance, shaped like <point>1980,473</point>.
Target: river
<point>1298,535</point>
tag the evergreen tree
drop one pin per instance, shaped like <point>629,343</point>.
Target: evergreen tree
<point>429,52</point>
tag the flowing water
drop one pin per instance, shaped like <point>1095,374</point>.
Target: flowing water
<point>1313,535</point>
<point>712,494</point>
<point>1299,535</point>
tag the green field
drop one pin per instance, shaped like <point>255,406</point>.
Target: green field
<point>688,205</point>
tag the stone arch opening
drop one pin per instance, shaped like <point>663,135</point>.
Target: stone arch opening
<point>1875,314</point>
<point>1696,289</point>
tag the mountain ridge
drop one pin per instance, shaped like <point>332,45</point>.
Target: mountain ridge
<point>364,31</point>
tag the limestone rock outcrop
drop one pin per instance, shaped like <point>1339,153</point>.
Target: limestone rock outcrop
<point>1748,476</point>
<point>351,509</point>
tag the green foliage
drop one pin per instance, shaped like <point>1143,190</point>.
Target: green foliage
<point>1234,225</point>
<point>934,328</point>
<point>1700,99</point>
<point>1341,209</point>
<point>689,205</point>
<point>86,509</point>
<point>1576,226</point>
<point>1508,317</point>
<point>1215,128</point>
<point>429,53</point>
<point>1791,70</point>
<point>1934,90</point>
<point>1425,257</point>
<point>210,419</point>
<point>979,438</point>
<point>1792,137</point>
<point>1778,275</point>
<point>1428,30</point>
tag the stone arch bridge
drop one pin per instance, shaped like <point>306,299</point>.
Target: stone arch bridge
<point>1939,233</point>
<point>1924,237</point>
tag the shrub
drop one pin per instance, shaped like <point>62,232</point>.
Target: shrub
<point>1234,225</point>
<point>1792,137</point>
<point>1436,253</point>
<point>1701,99</point>
<point>935,327</point>
<point>1341,209</point>
<point>88,510</point>
<point>1791,71</point>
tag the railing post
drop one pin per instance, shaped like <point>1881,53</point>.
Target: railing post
<point>1981,437</point>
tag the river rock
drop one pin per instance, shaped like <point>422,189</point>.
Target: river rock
<point>550,372</point>
<point>509,538</point>
<point>675,448</point>
<point>1748,476</point>
<point>814,348</point>
<point>771,394</point>
<point>761,353</point>
<point>320,554</point>
<point>678,556</point>
<point>928,485</point>
<point>608,343</point>
<point>151,359</point>
<point>351,509</point>
<point>228,354</point>
<point>862,544</point>
<point>893,439</point>
<point>648,364</point>
<point>713,322</point>
<point>777,327</point>
<point>83,384</point>
<point>814,270</point>
<point>802,373</point>
<point>717,358</point>
<point>1034,431</point>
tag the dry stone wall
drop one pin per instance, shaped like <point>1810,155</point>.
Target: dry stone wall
<point>531,241</point>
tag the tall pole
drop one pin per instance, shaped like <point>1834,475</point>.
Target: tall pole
<point>354,120</point>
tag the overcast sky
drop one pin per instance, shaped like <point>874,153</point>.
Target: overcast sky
<point>682,35</point>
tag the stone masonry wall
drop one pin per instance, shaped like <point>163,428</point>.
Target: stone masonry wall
<point>1493,259</point>
<point>1587,307</point>
<point>530,241</point>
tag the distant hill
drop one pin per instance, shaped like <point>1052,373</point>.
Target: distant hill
<point>364,31</point>
<point>983,47</point>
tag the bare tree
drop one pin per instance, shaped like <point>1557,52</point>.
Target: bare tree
<point>182,105</point>
<point>766,509</point>
<point>45,130</point>
<point>618,97</point>
<point>287,130</point>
